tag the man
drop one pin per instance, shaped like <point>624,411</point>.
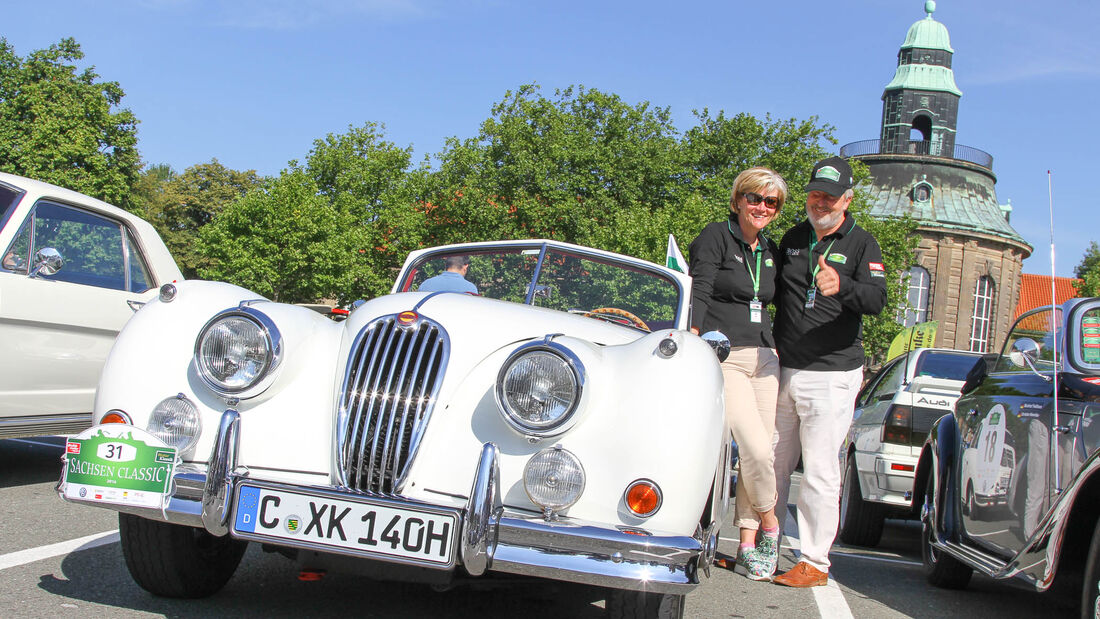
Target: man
<point>453,279</point>
<point>832,275</point>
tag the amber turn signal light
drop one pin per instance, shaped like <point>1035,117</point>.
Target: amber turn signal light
<point>643,497</point>
<point>115,416</point>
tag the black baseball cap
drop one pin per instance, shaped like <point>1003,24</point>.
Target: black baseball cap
<point>832,175</point>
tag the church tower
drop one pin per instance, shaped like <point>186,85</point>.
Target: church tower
<point>966,269</point>
<point>921,104</point>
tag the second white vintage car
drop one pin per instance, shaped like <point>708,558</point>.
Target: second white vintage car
<point>561,423</point>
<point>73,271</point>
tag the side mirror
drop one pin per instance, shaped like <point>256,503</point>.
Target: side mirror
<point>719,342</point>
<point>975,376</point>
<point>47,261</point>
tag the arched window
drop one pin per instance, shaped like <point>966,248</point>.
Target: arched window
<point>982,321</point>
<point>918,300</point>
<point>921,129</point>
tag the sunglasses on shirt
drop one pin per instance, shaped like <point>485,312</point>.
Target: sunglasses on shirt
<point>754,199</point>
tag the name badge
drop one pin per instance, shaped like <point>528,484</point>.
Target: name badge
<point>811,294</point>
<point>755,307</point>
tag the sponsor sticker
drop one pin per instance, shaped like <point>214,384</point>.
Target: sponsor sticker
<point>118,464</point>
<point>838,258</point>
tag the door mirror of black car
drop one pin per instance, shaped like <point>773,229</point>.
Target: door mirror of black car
<point>886,396</point>
<point>975,376</point>
<point>1025,352</point>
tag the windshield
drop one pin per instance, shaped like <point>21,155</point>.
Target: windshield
<point>556,278</point>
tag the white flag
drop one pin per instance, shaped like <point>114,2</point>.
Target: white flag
<point>673,258</point>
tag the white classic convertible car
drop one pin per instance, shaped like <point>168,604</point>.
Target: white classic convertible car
<point>560,423</point>
<point>73,271</point>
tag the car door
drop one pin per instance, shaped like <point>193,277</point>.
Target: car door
<point>56,329</point>
<point>1005,477</point>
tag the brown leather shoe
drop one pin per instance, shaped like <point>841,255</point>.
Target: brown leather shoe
<point>803,575</point>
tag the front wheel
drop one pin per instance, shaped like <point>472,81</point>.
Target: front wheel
<point>623,604</point>
<point>1090,600</point>
<point>175,561</point>
<point>860,521</point>
<point>940,569</point>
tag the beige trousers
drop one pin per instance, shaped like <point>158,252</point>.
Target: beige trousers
<point>751,386</point>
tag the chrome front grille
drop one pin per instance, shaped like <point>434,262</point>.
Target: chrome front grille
<point>390,385</point>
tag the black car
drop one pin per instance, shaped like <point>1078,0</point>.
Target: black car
<point>1012,478</point>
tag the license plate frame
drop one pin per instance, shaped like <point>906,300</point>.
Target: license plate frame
<point>269,520</point>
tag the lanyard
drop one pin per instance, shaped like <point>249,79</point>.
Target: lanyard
<point>812,266</point>
<point>759,251</point>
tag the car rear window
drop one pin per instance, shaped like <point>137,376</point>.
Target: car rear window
<point>945,365</point>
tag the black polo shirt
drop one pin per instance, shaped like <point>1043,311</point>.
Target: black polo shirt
<point>828,336</point>
<point>722,286</point>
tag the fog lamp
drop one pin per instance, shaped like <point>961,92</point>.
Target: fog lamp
<point>176,421</point>
<point>553,479</point>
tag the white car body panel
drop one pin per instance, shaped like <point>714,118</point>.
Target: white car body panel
<point>55,335</point>
<point>641,414</point>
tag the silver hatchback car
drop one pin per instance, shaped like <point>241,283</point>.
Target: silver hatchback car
<point>893,414</point>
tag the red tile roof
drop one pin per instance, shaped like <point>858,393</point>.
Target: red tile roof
<point>1035,291</point>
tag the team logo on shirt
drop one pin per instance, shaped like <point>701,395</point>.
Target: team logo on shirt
<point>877,270</point>
<point>791,251</point>
<point>768,262</point>
<point>739,259</point>
<point>838,258</point>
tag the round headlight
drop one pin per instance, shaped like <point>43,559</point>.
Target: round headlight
<point>553,479</point>
<point>538,388</point>
<point>234,352</point>
<point>176,421</point>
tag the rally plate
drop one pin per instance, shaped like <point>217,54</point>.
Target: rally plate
<point>333,521</point>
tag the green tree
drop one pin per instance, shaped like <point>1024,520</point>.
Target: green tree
<point>1088,272</point>
<point>284,240</point>
<point>60,125</point>
<point>179,205</point>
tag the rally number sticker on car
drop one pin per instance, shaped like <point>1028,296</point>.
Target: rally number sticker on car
<point>384,529</point>
<point>118,464</point>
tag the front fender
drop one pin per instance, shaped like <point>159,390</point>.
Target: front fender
<point>938,460</point>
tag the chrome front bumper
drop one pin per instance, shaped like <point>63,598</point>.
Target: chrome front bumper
<point>491,538</point>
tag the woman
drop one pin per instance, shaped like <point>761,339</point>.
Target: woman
<point>735,269</point>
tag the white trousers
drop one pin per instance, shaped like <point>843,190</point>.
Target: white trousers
<point>812,418</point>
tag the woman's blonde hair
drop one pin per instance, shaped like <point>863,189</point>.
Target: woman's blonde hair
<point>756,180</point>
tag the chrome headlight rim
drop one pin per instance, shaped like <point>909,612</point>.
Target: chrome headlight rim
<point>274,356</point>
<point>568,418</point>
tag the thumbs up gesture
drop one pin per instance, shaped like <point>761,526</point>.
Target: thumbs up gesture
<point>828,282</point>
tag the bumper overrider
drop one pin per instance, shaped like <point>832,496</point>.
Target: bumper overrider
<point>489,537</point>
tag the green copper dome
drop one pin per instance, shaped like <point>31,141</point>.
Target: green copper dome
<point>928,33</point>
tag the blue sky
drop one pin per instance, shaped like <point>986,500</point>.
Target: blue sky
<point>254,82</point>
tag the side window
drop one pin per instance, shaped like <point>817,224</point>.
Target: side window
<point>139,279</point>
<point>17,255</point>
<point>891,380</point>
<point>97,251</point>
<point>1036,326</point>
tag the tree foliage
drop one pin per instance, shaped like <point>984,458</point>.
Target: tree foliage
<point>178,205</point>
<point>60,125</point>
<point>283,240</point>
<point>1088,272</point>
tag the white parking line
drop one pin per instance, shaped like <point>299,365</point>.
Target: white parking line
<point>22,557</point>
<point>829,599</point>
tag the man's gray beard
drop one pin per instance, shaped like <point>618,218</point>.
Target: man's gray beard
<point>825,222</point>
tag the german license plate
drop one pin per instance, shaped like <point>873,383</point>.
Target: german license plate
<point>355,525</point>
